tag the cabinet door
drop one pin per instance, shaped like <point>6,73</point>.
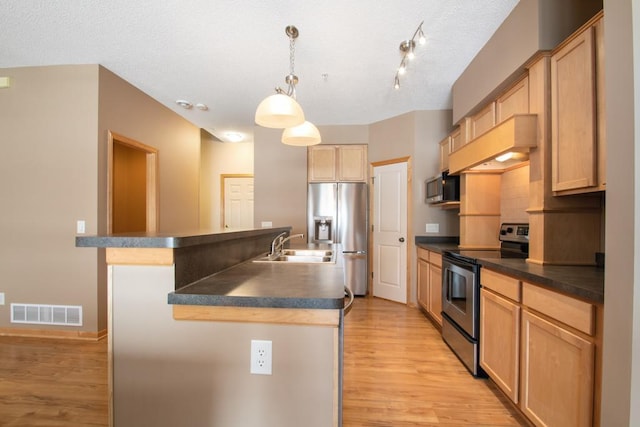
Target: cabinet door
<point>601,106</point>
<point>423,283</point>
<point>557,374</point>
<point>435,293</point>
<point>482,121</point>
<point>322,163</point>
<point>573,110</point>
<point>513,101</point>
<point>500,343</point>
<point>457,139</point>
<point>352,163</point>
<point>445,148</point>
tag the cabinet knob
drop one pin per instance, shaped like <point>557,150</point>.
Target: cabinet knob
<point>401,240</point>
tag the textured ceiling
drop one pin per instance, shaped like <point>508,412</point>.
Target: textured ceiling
<point>230,54</point>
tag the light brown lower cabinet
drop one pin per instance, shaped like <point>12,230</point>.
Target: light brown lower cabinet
<point>557,374</point>
<point>540,348</point>
<point>500,343</point>
<point>434,306</point>
<point>430,283</point>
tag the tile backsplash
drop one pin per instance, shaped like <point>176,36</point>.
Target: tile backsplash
<point>514,195</point>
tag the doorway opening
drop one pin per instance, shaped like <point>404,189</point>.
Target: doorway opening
<point>132,186</point>
<point>237,201</point>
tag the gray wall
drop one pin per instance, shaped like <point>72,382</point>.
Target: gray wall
<point>53,172</point>
<point>621,370</point>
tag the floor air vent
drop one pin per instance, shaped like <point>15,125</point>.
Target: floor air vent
<point>69,315</point>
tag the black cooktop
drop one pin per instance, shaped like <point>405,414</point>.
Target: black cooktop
<point>472,255</point>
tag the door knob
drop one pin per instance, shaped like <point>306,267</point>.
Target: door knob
<point>401,239</point>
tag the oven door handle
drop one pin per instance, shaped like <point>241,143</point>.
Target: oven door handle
<point>447,294</point>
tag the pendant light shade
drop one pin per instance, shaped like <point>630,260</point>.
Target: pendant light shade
<point>279,111</point>
<point>302,135</point>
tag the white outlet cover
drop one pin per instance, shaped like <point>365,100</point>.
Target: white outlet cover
<point>1,298</point>
<point>261,357</point>
<point>266,224</point>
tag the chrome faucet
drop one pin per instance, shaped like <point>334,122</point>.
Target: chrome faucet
<point>280,240</point>
<point>277,242</point>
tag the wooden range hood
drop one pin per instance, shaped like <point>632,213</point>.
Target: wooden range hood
<point>517,134</point>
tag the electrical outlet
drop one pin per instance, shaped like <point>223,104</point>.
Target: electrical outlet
<point>266,224</point>
<point>433,228</point>
<point>80,226</point>
<point>1,298</point>
<point>261,357</point>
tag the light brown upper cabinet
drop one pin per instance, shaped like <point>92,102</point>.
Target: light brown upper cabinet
<point>577,127</point>
<point>457,139</point>
<point>445,149</point>
<point>481,122</point>
<point>330,163</point>
<point>513,101</point>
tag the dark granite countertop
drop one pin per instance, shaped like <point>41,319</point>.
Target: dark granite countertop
<point>170,240</point>
<point>437,247</point>
<point>249,284</point>
<point>584,282</point>
<point>437,243</point>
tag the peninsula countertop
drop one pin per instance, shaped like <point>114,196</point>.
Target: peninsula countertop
<point>276,285</point>
<point>217,269</point>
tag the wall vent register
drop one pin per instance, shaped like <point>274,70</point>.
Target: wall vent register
<point>40,314</point>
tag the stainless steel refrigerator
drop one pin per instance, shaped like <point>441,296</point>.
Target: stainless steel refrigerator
<point>338,213</point>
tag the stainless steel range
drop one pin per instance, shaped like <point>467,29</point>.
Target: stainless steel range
<point>461,292</point>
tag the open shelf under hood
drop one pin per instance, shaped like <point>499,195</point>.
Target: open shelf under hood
<point>517,134</point>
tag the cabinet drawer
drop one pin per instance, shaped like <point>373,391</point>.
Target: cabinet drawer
<point>423,254</point>
<point>504,285</point>
<point>435,259</point>
<point>570,311</point>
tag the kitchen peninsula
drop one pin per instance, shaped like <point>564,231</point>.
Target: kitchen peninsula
<point>183,310</point>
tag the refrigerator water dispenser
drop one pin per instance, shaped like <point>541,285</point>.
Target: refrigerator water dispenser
<point>322,229</point>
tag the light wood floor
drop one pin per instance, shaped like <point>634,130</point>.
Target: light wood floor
<point>398,372</point>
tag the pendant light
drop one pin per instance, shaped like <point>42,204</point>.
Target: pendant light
<point>301,135</point>
<point>282,111</point>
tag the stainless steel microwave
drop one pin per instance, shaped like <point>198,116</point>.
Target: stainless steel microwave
<point>443,188</point>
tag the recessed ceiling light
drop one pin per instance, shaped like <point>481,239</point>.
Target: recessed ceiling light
<point>184,104</point>
<point>201,106</point>
<point>233,136</point>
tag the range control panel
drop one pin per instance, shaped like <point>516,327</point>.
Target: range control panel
<point>514,233</point>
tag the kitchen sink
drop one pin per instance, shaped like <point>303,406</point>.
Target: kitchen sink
<point>307,252</point>
<point>300,256</point>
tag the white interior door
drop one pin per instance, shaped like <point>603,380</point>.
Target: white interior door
<point>238,203</point>
<point>390,232</point>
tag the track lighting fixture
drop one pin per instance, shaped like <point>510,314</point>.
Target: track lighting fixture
<point>407,50</point>
<point>282,111</point>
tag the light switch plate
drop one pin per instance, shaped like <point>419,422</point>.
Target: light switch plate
<point>266,224</point>
<point>433,228</point>
<point>80,227</point>
<point>1,298</point>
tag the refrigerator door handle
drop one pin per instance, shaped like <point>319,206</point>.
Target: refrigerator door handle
<point>355,252</point>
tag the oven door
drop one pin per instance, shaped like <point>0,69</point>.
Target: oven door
<point>460,294</point>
